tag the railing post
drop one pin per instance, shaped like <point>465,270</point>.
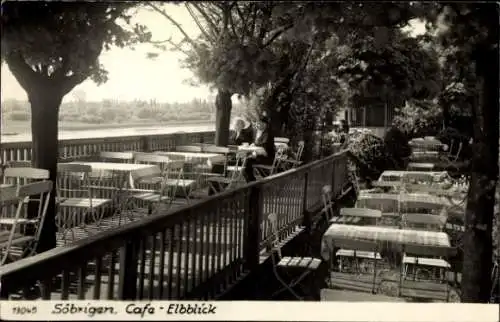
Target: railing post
<point>306,221</point>
<point>145,144</point>
<point>252,231</point>
<point>334,174</point>
<point>127,286</point>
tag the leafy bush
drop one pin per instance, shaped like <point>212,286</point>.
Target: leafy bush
<point>369,153</point>
<point>419,118</point>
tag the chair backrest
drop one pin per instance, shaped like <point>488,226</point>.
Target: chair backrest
<point>356,244</point>
<point>360,212</point>
<point>188,148</point>
<point>215,149</point>
<point>173,172</point>
<point>151,158</point>
<point>378,203</point>
<point>278,157</point>
<point>327,196</point>
<point>175,166</point>
<point>429,251</point>
<point>24,175</point>
<point>74,167</point>
<point>19,164</point>
<point>429,221</point>
<point>117,156</point>
<point>281,140</point>
<point>454,157</point>
<point>145,173</point>
<point>300,150</point>
<point>239,166</point>
<point>72,180</point>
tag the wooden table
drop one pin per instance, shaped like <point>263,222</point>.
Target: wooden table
<point>123,198</point>
<point>252,148</point>
<point>380,234</point>
<point>389,201</point>
<point>196,157</point>
<point>421,166</point>
<point>100,169</point>
<point>428,176</point>
<point>426,143</point>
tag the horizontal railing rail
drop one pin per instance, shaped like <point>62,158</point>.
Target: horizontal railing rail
<point>86,148</point>
<point>195,252</point>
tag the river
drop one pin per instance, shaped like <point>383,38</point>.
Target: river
<point>114,132</point>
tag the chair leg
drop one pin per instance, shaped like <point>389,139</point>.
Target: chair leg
<point>290,286</point>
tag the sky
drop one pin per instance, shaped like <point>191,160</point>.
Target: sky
<point>134,76</point>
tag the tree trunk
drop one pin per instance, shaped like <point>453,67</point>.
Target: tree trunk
<point>223,107</point>
<point>478,244</point>
<point>44,128</point>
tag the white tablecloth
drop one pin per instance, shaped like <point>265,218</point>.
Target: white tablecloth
<point>250,149</point>
<point>429,176</point>
<point>106,168</point>
<point>197,157</point>
<point>382,234</point>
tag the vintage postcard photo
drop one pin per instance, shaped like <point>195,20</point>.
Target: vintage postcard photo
<point>313,152</point>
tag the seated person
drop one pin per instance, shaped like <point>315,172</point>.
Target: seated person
<point>263,138</point>
<point>243,132</point>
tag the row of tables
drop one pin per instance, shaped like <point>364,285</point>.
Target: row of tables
<point>431,190</point>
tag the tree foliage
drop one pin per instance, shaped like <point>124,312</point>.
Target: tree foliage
<point>51,47</point>
<point>60,42</point>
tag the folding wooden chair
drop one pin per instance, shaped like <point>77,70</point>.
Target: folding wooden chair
<point>120,157</point>
<point>264,170</point>
<point>162,194</point>
<point>76,200</point>
<point>354,273</point>
<point>217,150</point>
<point>177,180</point>
<point>452,156</point>
<point>327,197</point>
<point>14,242</point>
<point>23,175</point>
<point>235,172</point>
<point>305,266</point>
<point>150,158</point>
<point>421,281</point>
<point>295,160</point>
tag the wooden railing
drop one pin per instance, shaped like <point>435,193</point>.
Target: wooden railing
<point>196,252</point>
<point>88,148</point>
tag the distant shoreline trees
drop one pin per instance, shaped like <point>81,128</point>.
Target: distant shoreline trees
<point>116,111</point>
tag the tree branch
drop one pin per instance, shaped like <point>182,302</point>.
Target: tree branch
<point>243,21</point>
<point>175,23</point>
<point>207,18</point>
<point>233,27</point>
<point>195,19</point>
<point>278,32</point>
